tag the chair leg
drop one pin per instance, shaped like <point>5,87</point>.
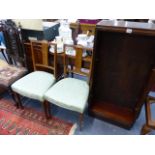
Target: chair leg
<point>18,100</point>
<point>49,110</point>
<point>145,129</point>
<point>81,118</point>
<point>46,108</point>
<point>12,95</point>
<point>72,74</point>
<point>148,126</point>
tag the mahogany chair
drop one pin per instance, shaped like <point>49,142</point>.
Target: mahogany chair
<point>35,84</point>
<point>71,93</point>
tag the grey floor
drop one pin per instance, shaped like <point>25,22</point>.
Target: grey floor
<point>92,126</point>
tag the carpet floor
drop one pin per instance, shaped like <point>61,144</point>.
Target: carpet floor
<point>28,121</point>
<point>91,125</point>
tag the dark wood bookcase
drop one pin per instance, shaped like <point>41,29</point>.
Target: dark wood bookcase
<point>124,59</point>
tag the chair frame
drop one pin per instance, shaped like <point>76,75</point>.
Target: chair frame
<point>35,45</point>
<point>75,70</point>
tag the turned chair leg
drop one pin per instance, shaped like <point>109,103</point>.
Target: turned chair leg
<point>81,118</point>
<point>46,108</point>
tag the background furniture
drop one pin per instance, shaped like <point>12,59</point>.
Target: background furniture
<point>13,43</point>
<point>49,31</point>
<point>78,28</point>
<point>2,44</point>
<point>8,75</point>
<point>124,56</point>
<point>15,55</point>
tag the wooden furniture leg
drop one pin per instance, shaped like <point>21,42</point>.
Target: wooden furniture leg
<point>2,50</point>
<point>81,121</point>
<point>49,110</point>
<point>145,129</point>
<point>13,96</point>
<point>18,100</point>
<point>150,124</point>
<point>46,108</point>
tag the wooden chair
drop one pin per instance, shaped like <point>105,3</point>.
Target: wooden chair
<point>71,93</point>
<point>10,72</point>
<point>35,84</point>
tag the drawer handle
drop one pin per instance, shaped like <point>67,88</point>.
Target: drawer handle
<point>128,30</point>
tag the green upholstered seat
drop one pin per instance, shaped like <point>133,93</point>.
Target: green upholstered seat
<point>69,93</point>
<point>34,85</point>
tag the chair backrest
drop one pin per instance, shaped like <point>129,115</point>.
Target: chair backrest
<point>40,56</point>
<point>13,43</point>
<point>79,66</point>
<point>28,56</point>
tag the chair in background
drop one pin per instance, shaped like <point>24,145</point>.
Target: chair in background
<point>149,101</point>
<point>15,68</point>
<point>8,75</point>
<point>35,84</point>
<point>71,93</point>
<point>2,45</point>
<point>13,42</point>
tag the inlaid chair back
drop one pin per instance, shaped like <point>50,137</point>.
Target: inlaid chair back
<point>79,67</point>
<point>40,56</point>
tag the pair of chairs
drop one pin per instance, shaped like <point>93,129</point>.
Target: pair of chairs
<point>68,93</point>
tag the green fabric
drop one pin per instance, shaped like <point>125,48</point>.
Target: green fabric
<point>34,85</point>
<point>69,93</point>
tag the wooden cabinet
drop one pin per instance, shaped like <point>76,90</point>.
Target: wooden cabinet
<point>124,58</point>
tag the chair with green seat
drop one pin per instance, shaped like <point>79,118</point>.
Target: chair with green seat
<point>35,84</point>
<point>71,93</point>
